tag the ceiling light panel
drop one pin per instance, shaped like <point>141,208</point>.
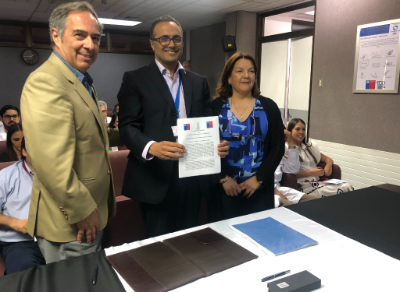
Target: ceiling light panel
<point>118,22</point>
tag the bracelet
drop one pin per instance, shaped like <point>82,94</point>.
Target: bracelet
<point>223,181</point>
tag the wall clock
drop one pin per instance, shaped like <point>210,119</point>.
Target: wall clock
<point>30,56</point>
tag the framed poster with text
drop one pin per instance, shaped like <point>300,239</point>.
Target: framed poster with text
<point>377,62</point>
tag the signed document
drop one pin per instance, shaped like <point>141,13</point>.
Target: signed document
<point>200,136</point>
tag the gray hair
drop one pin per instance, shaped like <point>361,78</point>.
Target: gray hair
<point>101,102</point>
<point>58,18</point>
<point>164,18</point>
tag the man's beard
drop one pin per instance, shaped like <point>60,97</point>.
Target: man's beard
<point>6,127</point>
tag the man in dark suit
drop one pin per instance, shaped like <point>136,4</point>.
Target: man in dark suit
<point>151,100</point>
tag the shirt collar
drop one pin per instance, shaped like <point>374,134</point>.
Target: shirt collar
<point>163,70</point>
<point>81,77</point>
<point>27,167</point>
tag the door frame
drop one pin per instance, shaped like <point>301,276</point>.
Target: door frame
<point>285,36</point>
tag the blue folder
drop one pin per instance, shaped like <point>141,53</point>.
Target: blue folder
<point>274,236</point>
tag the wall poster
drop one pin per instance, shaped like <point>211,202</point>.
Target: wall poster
<point>377,62</point>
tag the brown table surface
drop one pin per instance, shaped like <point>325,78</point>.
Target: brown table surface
<point>390,187</point>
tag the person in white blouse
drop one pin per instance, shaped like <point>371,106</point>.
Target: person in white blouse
<point>310,156</point>
<point>290,163</point>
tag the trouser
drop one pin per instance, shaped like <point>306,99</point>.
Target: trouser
<point>19,256</point>
<point>57,251</point>
<point>179,210</point>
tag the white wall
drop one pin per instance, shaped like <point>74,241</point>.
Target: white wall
<point>300,73</point>
<point>273,71</point>
<point>272,27</point>
<point>363,167</point>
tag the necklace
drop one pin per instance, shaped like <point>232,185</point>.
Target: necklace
<point>241,115</point>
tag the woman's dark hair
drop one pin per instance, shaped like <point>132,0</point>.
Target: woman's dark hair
<point>115,108</point>
<point>224,89</point>
<point>23,147</point>
<point>291,125</point>
<point>11,155</point>
<point>113,119</point>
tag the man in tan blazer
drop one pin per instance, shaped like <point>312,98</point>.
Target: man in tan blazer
<point>72,195</point>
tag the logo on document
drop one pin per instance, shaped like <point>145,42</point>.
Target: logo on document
<point>209,125</point>
<point>186,127</point>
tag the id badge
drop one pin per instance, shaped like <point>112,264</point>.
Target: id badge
<point>174,131</point>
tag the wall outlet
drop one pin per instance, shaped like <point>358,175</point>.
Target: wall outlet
<point>320,82</point>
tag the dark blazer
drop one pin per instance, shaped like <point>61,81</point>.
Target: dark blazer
<point>274,144</point>
<point>147,112</point>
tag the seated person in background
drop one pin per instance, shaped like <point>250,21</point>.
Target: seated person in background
<point>116,109</point>
<point>290,163</point>
<point>14,138</point>
<point>113,126</point>
<point>103,108</point>
<point>310,156</point>
<point>114,121</point>
<point>17,248</point>
<point>187,65</point>
<point>9,115</point>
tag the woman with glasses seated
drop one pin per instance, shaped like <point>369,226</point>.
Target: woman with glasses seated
<point>14,138</point>
<point>253,126</point>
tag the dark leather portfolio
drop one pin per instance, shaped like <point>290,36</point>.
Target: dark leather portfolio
<point>74,274</point>
<point>163,266</point>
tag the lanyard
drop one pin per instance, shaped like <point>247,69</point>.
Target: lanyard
<point>26,170</point>
<point>176,102</point>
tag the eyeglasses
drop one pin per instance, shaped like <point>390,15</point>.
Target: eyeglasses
<point>240,135</point>
<point>165,40</point>
<point>7,117</point>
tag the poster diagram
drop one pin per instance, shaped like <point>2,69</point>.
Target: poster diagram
<point>377,60</point>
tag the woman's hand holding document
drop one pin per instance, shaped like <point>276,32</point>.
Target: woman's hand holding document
<point>200,136</point>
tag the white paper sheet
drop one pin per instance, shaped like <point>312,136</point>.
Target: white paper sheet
<point>200,136</point>
<point>377,57</point>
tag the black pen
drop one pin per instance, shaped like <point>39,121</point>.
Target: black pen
<point>275,276</point>
<point>94,279</point>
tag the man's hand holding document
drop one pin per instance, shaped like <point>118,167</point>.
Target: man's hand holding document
<point>200,136</point>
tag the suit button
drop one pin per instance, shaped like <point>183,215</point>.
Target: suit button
<point>66,217</point>
<point>175,116</point>
<point>60,207</point>
<point>109,172</point>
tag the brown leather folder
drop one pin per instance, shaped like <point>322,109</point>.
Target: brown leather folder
<point>163,266</point>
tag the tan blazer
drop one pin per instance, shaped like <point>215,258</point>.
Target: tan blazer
<point>67,139</point>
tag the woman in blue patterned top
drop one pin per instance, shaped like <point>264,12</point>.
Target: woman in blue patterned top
<point>253,126</point>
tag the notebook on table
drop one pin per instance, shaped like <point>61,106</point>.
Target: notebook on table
<point>162,266</point>
<point>273,235</point>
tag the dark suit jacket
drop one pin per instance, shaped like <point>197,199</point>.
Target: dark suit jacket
<point>147,113</point>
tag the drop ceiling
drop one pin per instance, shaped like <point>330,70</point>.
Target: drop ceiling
<point>191,14</point>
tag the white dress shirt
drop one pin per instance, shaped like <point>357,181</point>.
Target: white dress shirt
<point>173,87</point>
<point>3,133</point>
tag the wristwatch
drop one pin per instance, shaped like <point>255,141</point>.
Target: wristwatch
<point>292,146</point>
<point>223,181</point>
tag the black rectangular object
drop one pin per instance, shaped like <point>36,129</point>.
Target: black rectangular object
<point>300,282</point>
<point>228,43</point>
